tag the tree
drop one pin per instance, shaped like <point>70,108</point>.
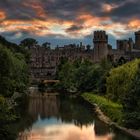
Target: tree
<point>11,46</point>
<point>46,45</point>
<point>13,78</point>
<point>87,76</point>
<point>79,75</point>
<point>28,42</point>
<point>106,66</point>
<point>120,80</point>
<point>66,76</point>
<point>131,104</point>
<point>6,68</point>
<point>121,61</point>
<point>13,72</point>
<point>88,47</point>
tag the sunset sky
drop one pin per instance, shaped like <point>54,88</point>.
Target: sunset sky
<point>68,21</point>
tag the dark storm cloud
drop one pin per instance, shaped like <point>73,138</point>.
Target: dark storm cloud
<point>14,33</point>
<point>57,11</point>
<point>60,9</point>
<point>69,9</point>
<point>126,11</point>
<point>18,9</point>
<point>74,28</point>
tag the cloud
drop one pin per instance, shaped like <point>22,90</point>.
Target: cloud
<point>74,28</point>
<point>126,11</point>
<point>68,18</point>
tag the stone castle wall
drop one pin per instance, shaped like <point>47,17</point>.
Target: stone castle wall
<point>44,61</point>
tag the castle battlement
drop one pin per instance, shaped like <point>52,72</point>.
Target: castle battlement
<point>44,60</point>
<point>100,36</point>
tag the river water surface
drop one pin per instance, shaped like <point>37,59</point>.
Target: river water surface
<point>52,117</point>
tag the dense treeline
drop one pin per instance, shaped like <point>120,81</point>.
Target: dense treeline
<point>13,81</point>
<point>13,72</point>
<point>119,83</point>
<point>82,75</point>
<point>123,86</point>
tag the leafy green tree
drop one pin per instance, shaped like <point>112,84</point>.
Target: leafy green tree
<point>120,80</point>
<point>80,75</point>
<point>106,66</point>
<point>12,46</point>
<point>28,42</point>
<point>6,68</point>
<point>13,78</point>
<point>13,72</point>
<point>7,115</point>
<point>66,76</point>
<point>123,86</point>
<point>47,45</point>
<point>131,104</point>
<point>87,76</point>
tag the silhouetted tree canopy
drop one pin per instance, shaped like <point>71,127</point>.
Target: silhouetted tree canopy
<point>28,42</point>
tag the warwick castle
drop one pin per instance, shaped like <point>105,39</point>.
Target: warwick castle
<point>44,60</point>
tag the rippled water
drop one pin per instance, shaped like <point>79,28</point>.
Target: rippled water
<point>51,117</point>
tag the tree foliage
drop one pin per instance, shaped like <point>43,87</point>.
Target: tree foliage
<point>13,78</point>
<point>81,75</point>
<point>13,72</point>
<point>123,85</point>
<point>119,84</point>
<point>120,80</point>
<point>28,42</point>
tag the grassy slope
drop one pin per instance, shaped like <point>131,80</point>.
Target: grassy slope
<point>111,109</point>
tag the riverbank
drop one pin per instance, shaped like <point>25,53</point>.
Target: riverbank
<point>109,112</point>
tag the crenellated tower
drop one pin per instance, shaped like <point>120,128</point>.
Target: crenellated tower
<point>137,40</point>
<point>100,41</point>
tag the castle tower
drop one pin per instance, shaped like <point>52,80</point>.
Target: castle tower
<point>125,45</point>
<point>137,40</point>
<point>100,41</point>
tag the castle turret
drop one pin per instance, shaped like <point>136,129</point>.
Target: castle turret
<point>137,40</point>
<point>100,41</point>
<point>125,45</point>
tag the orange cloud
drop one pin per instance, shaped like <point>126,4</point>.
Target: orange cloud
<point>107,7</point>
<point>36,27</point>
<point>134,24</point>
<point>37,7</point>
<point>2,15</point>
<point>40,27</point>
<point>89,23</point>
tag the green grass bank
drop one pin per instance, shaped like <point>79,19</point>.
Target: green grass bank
<point>109,108</point>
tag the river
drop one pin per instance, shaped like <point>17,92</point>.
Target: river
<point>52,117</point>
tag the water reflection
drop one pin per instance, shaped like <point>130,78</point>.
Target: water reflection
<point>62,132</point>
<point>50,105</point>
<point>44,105</point>
<point>56,118</point>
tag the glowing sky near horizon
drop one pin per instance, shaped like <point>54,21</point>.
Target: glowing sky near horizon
<point>65,21</point>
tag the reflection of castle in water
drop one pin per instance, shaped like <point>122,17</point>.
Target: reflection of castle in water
<point>64,132</point>
<point>44,105</point>
<point>50,105</point>
<point>62,112</point>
